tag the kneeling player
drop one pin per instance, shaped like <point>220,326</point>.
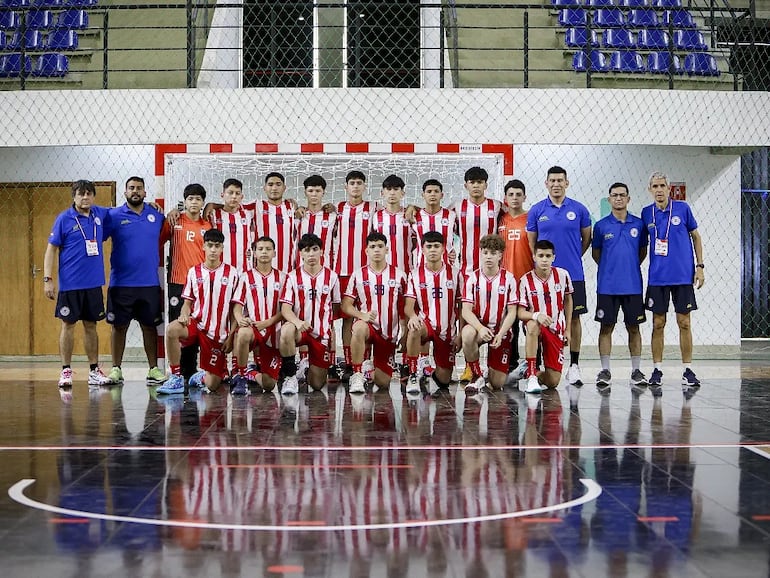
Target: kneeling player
<point>431,307</point>
<point>373,298</point>
<point>489,310</point>
<point>308,300</point>
<point>545,304</point>
<point>257,312</point>
<point>204,318</point>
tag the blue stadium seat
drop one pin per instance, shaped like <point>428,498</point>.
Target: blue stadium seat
<point>10,65</point>
<point>601,3</point>
<point>2,41</point>
<point>667,3</point>
<point>572,17</point>
<point>700,64</point>
<point>9,21</point>
<point>618,38</point>
<point>634,3</point>
<point>657,63</point>
<point>609,18</point>
<point>33,40</point>
<point>640,18</point>
<point>579,37</point>
<point>598,62</point>
<point>652,39</point>
<point>83,3</point>
<point>40,19</point>
<point>51,64</point>
<point>689,40</point>
<point>50,3</point>
<point>62,39</point>
<point>626,61</point>
<point>679,18</point>
<point>565,2</point>
<point>74,19</point>
<point>15,3</point>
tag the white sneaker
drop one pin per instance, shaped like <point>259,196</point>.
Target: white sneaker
<point>65,377</point>
<point>533,385</point>
<point>413,385</point>
<point>290,386</point>
<point>302,367</point>
<point>356,383</point>
<point>533,401</point>
<point>520,372</point>
<point>573,375</point>
<point>475,386</point>
<point>368,370</point>
<point>96,377</point>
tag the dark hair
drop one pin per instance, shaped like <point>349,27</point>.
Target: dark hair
<point>137,179</point>
<point>83,185</point>
<point>433,183</point>
<point>492,242</point>
<point>375,236</point>
<point>433,237</point>
<point>355,175</point>
<point>268,176</point>
<point>515,184</point>
<point>556,170</point>
<point>213,236</point>
<point>393,182</point>
<point>309,240</point>
<point>232,183</point>
<point>476,174</point>
<point>194,189</point>
<point>617,185</point>
<point>545,245</point>
<point>314,181</point>
<point>263,239</point>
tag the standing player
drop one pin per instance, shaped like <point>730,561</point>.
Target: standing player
<point>391,222</point>
<point>567,224</point>
<point>545,303</point>
<point>434,217</point>
<point>489,311</point>
<point>274,218</point>
<point>374,298</point>
<point>257,312</point>
<point>310,296</point>
<point>619,246</point>
<point>673,272</point>
<point>186,250</point>
<point>75,243</point>
<point>205,316</point>
<point>431,308</point>
<point>317,218</point>
<point>476,217</point>
<point>517,257</point>
<point>237,224</point>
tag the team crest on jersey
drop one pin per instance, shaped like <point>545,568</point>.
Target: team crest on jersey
<point>463,214</point>
<point>244,221</point>
<point>445,222</point>
<point>64,311</point>
<point>225,281</point>
<point>324,223</point>
<point>97,220</point>
<point>325,289</point>
<point>365,283</point>
<point>491,214</point>
<point>501,290</point>
<point>392,283</point>
<point>151,218</point>
<point>571,215</point>
<point>557,287</point>
<point>450,284</point>
<point>365,215</point>
<point>675,220</point>
<point>423,285</point>
<point>199,280</point>
<point>634,232</point>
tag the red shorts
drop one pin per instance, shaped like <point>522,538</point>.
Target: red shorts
<point>318,354</point>
<point>442,348</point>
<point>499,358</point>
<point>383,352</point>
<point>212,358</point>
<point>553,349</point>
<point>269,356</point>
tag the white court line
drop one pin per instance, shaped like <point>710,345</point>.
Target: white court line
<point>765,454</point>
<point>16,493</point>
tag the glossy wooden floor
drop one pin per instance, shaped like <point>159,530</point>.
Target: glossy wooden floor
<point>121,482</point>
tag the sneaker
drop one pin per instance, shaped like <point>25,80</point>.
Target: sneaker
<point>573,375</point>
<point>573,393</point>
<point>689,379</point>
<point>115,375</point>
<point>356,383</point>
<point>196,379</point>
<point>96,377</point>
<point>240,385</point>
<point>656,377</point>
<point>173,385</point>
<point>655,389</point>
<point>520,372</point>
<point>367,368</point>
<point>533,385</point>
<point>290,385</point>
<point>533,401</point>
<point>333,375</point>
<point>65,377</point>
<point>302,367</point>
<point>467,375</point>
<point>347,373</point>
<point>403,371</point>
<point>475,386</point>
<point>604,378</point>
<point>154,377</point>
<point>413,385</point>
<point>638,378</point>
<point>251,374</point>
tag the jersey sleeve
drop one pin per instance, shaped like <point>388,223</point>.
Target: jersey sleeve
<point>336,288</point>
<point>469,289</point>
<point>350,290</point>
<point>585,217</point>
<point>56,237</point>
<point>524,299</point>
<point>532,217</point>
<point>568,288</point>
<point>597,238</point>
<point>239,296</point>
<point>411,290</point>
<point>188,293</point>
<point>288,291</point>
<point>512,297</point>
<point>690,221</point>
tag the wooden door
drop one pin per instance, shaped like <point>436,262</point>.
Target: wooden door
<point>15,272</point>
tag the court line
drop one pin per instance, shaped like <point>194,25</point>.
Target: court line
<point>764,453</point>
<point>16,493</point>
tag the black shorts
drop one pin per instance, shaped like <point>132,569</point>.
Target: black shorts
<point>80,305</point>
<point>175,301</point>
<point>607,307</point>
<point>683,297</point>
<point>140,303</point>
<point>579,303</point>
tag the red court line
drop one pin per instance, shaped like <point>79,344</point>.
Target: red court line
<point>761,517</point>
<point>657,518</point>
<point>284,569</point>
<point>541,520</point>
<point>313,466</point>
<point>69,520</point>
<point>306,523</point>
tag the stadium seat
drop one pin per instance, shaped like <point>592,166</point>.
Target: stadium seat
<point>579,37</point>
<point>618,38</point>
<point>2,41</point>
<point>626,61</point>
<point>40,19</point>
<point>609,18</point>
<point>33,40</point>
<point>62,40</point>
<point>10,65</point>
<point>50,3</point>
<point>667,3</point>
<point>565,2</point>
<point>9,21</point>
<point>83,3</point>
<point>73,19</point>
<point>652,39</point>
<point>601,3</point>
<point>51,64</point>
<point>679,19</point>
<point>15,3</point>
<point>700,64</point>
<point>640,18</point>
<point>657,63</point>
<point>634,3</point>
<point>689,40</point>
<point>598,61</point>
<point>572,17</point>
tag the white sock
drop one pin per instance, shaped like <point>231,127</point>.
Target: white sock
<point>605,361</point>
<point>636,362</point>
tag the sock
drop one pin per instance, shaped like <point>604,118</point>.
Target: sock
<point>288,366</point>
<point>686,366</point>
<point>346,354</point>
<point>176,370</point>
<point>356,367</point>
<point>411,363</point>
<point>574,356</point>
<point>531,366</point>
<point>475,368</point>
<point>657,365</point>
<point>605,361</point>
<point>93,366</point>
<point>636,362</point>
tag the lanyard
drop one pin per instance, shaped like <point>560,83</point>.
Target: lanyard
<point>82,232</point>
<point>670,213</point>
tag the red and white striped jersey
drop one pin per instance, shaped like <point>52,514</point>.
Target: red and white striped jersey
<point>437,295</point>
<point>399,233</point>
<point>238,229</point>
<point>473,222</point>
<point>444,222</point>
<point>320,224</point>
<point>490,296</point>
<point>312,297</point>
<point>276,222</point>
<point>382,293</point>
<point>211,291</point>
<point>353,226</point>
<point>259,294</point>
<point>547,296</point>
